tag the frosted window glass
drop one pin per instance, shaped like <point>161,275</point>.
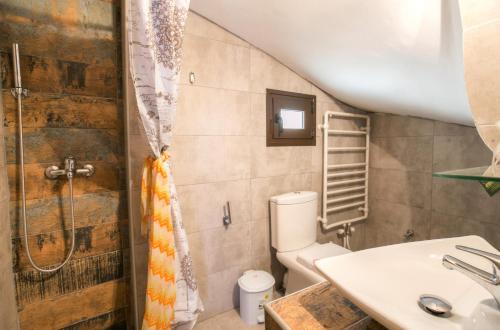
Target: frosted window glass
<point>292,119</point>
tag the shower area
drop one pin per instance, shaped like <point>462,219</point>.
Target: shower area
<point>72,117</point>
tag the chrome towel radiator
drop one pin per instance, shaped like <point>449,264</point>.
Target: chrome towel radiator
<point>348,180</point>
<point>52,172</point>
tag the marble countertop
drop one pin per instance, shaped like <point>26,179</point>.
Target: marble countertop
<point>318,307</point>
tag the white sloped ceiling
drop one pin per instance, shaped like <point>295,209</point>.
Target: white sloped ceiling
<point>395,56</point>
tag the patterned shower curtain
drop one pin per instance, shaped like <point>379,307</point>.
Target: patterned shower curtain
<point>155,32</point>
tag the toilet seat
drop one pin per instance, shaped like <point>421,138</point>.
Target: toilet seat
<point>300,264</point>
<point>316,251</point>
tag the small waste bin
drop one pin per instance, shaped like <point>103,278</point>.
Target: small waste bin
<point>256,289</point>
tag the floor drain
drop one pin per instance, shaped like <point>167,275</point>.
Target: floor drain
<point>435,305</point>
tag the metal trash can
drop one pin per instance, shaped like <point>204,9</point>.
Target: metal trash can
<point>256,289</point>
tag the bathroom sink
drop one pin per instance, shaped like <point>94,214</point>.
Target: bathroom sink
<point>386,282</point>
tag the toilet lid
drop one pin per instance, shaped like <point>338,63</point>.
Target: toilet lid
<point>309,255</point>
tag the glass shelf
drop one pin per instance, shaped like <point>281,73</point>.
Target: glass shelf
<point>484,175</point>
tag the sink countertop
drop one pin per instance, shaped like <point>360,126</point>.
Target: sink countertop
<point>386,282</point>
<point>317,307</point>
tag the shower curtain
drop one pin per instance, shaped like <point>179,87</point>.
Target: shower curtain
<point>155,33</point>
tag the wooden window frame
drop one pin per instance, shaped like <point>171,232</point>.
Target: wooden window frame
<point>290,138</point>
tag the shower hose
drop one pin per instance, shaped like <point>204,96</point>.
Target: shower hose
<point>18,92</point>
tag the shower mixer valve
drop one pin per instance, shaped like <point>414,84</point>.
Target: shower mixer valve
<point>69,170</point>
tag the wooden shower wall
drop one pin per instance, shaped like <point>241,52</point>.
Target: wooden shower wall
<point>70,57</point>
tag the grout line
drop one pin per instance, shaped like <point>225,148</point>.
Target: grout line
<point>432,179</point>
<point>117,221</point>
<point>245,179</point>
<point>401,204</point>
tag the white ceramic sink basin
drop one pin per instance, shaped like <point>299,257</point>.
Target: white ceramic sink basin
<point>387,282</point>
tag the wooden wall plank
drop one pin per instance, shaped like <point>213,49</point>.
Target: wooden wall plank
<point>51,248</point>
<point>61,29</point>
<point>78,274</point>
<point>42,110</point>
<point>115,320</point>
<point>62,311</point>
<point>107,177</point>
<point>51,145</point>
<point>70,61</point>
<point>52,214</point>
<point>49,75</point>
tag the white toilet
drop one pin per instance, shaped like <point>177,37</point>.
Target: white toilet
<point>293,235</point>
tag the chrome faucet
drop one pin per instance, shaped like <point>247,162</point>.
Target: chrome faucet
<point>69,170</point>
<point>489,281</point>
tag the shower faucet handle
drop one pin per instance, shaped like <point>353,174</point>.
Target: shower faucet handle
<point>53,171</point>
<point>87,170</point>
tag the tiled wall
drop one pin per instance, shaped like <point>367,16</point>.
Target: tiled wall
<point>404,195</point>
<point>8,311</point>
<point>69,62</point>
<point>219,154</point>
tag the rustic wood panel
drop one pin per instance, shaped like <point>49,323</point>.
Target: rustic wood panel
<point>47,145</point>
<point>107,177</point>
<point>49,75</point>
<point>71,65</point>
<point>44,215</point>
<point>61,29</point>
<point>115,320</point>
<point>62,311</point>
<point>78,274</point>
<point>51,248</point>
<point>62,111</point>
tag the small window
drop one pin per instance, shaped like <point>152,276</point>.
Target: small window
<point>291,119</point>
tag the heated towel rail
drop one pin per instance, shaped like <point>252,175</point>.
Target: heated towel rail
<point>348,180</point>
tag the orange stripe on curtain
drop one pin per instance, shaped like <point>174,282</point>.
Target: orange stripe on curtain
<point>157,222</point>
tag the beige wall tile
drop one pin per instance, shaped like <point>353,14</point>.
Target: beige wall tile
<point>258,117</point>
<point>199,26</point>
<point>263,189</point>
<point>388,222</point>
<point>444,225</point>
<point>220,291</point>
<point>276,161</point>
<point>202,159</point>
<point>464,199</point>
<point>447,129</point>
<point>457,152</point>
<point>202,204</point>
<point>220,248</point>
<point>385,125</point>
<point>212,111</point>
<point>261,240</point>
<point>402,153</point>
<point>402,187</point>
<point>317,156</point>
<point>215,63</point>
